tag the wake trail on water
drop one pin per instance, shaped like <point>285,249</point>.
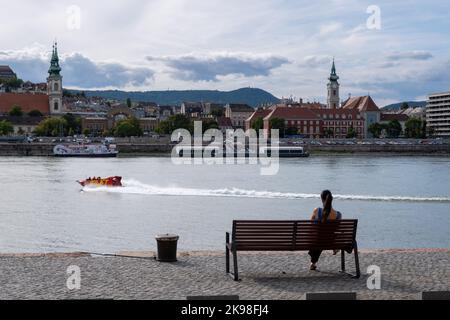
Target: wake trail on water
<point>136,187</point>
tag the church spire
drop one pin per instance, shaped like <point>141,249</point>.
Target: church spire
<point>55,69</point>
<point>333,74</point>
<point>333,100</point>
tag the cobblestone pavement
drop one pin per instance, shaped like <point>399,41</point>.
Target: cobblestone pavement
<point>405,273</point>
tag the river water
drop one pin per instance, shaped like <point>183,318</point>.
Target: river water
<point>400,201</point>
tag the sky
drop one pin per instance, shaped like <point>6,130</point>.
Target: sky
<point>392,50</point>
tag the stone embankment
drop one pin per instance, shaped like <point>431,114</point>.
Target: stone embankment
<point>130,148</point>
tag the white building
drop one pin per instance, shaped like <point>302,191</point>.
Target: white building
<point>238,113</point>
<point>438,114</point>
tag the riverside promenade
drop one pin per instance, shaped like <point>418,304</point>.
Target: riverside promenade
<point>404,275</point>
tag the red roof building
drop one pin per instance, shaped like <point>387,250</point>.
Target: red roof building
<point>26,101</point>
<point>368,109</point>
<point>305,121</point>
<point>338,123</point>
<point>259,113</point>
<point>362,104</point>
<point>318,123</point>
<point>400,117</point>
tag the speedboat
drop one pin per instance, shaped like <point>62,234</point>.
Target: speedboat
<point>102,182</point>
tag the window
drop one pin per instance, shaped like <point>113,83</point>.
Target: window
<point>334,93</point>
<point>56,106</point>
<point>55,86</point>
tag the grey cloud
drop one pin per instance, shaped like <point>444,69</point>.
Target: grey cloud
<point>210,67</point>
<point>409,55</point>
<point>78,71</point>
<point>317,61</point>
<point>434,78</point>
<point>83,72</point>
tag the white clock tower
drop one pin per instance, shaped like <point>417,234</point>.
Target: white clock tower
<point>54,84</point>
<point>333,100</point>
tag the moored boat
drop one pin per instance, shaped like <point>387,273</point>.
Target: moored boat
<point>102,182</point>
<point>85,150</point>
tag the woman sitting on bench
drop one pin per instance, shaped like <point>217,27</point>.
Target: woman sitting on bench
<point>321,215</point>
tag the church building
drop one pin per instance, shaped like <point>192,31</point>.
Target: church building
<point>48,104</point>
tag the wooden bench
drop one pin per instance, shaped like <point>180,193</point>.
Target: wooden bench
<point>301,235</point>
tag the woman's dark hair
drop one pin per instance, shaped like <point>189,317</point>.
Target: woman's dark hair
<point>327,200</point>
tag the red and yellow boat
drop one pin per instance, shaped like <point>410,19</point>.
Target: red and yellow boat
<point>102,182</point>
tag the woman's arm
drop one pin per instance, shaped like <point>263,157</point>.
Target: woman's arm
<point>314,215</point>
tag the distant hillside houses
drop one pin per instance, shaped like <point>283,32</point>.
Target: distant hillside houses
<point>45,98</point>
<point>6,73</point>
<point>352,118</point>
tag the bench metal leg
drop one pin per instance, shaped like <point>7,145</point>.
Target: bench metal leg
<point>358,271</point>
<point>235,265</point>
<point>342,261</point>
<point>227,253</point>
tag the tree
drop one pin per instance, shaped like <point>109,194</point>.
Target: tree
<point>6,128</point>
<point>128,102</point>
<point>13,83</point>
<point>67,93</point>
<point>258,124</point>
<point>351,134</point>
<point>375,129</point>
<point>16,111</point>
<point>128,128</point>
<point>328,133</point>
<point>51,127</point>
<point>209,124</point>
<point>86,132</point>
<point>415,128</point>
<point>430,131</point>
<point>404,106</point>
<point>291,131</point>
<point>218,113</point>
<point>35,113</point>
<point>73,123</point>
<point>178,121</point>
<point>278,123</point>
<point>394,129</point>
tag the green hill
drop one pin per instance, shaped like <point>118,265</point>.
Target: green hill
<point>251,96</point>
<point>397,106</point>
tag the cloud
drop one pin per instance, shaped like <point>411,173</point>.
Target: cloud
<point>330,28</point>
<point>78,71</point>
<point>409,55</point>
<point>83,72</point>
<point>210,67</point>
<point>315,61</point>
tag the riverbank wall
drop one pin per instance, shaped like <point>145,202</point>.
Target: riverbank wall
<point>46,149</point>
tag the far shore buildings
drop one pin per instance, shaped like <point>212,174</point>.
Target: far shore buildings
<point>315,120</point>
<point>438,114</point>
<point>6,73</point>
<point>238,114</point>
<point>335,119</point>
<point>47,99</point>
